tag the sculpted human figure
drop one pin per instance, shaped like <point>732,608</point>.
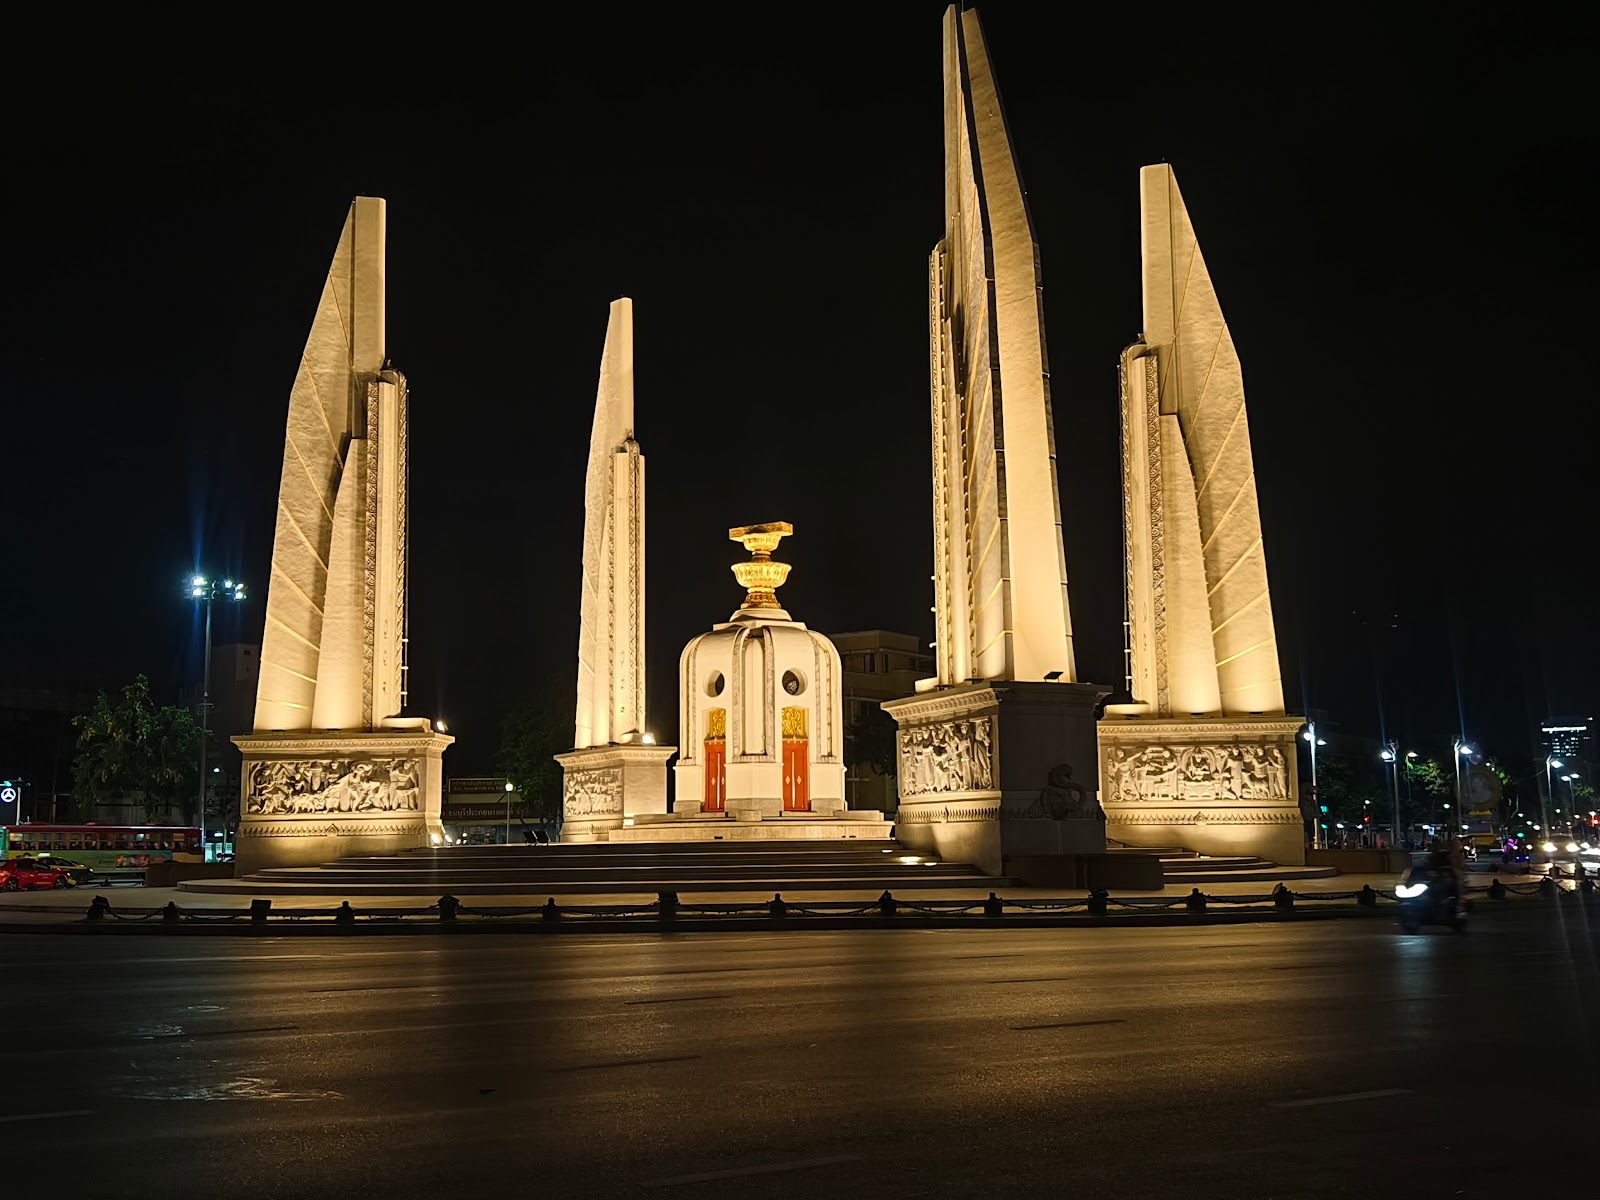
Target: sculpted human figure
<point>1157,777</point>
<point>403,784</point>
<point>1277,774</point>
<point>1233,772</point>
<point>982,768</point>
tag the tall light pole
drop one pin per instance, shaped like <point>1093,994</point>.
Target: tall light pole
<point>1391,755</point>
<point>1550,760</point>
<point>510,788</point>
<point>209,591</point>
<point>1310,735</point>
<point>1572,795</point>
<point>1462,750</point>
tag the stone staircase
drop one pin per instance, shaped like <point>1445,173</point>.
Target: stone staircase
<point>617,867</point>
<point>1180,866</point>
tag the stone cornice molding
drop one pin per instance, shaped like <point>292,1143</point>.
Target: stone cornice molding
<point>335,741</point>
<point>1147,728</point>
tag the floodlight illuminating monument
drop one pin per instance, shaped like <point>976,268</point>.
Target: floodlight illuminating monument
<point>997,752</point>
<point>1205,756</point>
<point>615,772</point>
<point>332,767</point>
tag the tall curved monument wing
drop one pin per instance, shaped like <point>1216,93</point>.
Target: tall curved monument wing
<point>615,772</point>
<point>333,767</point>
<point>611,611</point>
<point>1000,571</point>
<point>332,654</point>
<point>1201,637</point>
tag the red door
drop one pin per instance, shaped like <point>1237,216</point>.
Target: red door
<point>715,791</point>
<point>796,762</point>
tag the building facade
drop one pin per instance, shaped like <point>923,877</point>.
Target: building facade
<point>878,665</point>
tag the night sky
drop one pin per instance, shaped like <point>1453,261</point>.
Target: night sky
<point>1388,207</point>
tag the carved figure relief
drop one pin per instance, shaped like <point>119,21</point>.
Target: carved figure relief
<point>333,785</point>
<point>592,793</point>
<point>955,756</point>
<point>1166,774</point>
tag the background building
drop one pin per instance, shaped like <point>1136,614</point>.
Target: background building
<point>477,810</point>
<point>878,665</point>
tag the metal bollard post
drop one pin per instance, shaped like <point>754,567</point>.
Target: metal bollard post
<point>994,907</point>
<point>448,905</point>
<point>1549,887</point>
<point>259,910</point>
<point>1282,899</point>
<point>550,913</point>
<point>776,908</point>
<point>1098,898</point>
<point>1497,890</point>
<point>170,914</point>
<point>345,915</point>
<point>99,908</point>
<point>887,905</point>
<point>1366,897</point>
<point>1196,902</point>
<point>667,906</point>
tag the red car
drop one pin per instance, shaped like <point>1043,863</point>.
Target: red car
<point>28,873</point>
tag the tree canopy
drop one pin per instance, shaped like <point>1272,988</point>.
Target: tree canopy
<point>135,750</point>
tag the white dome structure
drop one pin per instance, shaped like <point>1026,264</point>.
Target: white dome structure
<point>761,729</point>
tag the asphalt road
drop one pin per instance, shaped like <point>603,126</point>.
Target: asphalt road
<point>1322,1059</point>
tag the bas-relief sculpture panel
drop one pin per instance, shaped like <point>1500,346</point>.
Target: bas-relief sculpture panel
<point>332,785</point>
<point>1182,774</point>
<point>955,756</point>
<point>592,793</point>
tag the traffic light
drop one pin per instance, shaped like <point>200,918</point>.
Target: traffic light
<point>1324,808</point>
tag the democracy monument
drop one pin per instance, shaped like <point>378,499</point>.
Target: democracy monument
<point>1004,755</point>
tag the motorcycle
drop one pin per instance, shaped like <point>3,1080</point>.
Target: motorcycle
<point>1429,897</point>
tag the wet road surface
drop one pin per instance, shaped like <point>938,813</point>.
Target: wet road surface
<point>1322,1059</point>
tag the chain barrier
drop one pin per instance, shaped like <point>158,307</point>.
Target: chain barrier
<point>667,909</point>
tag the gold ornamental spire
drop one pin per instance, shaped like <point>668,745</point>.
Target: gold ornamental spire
<point>761,576</point>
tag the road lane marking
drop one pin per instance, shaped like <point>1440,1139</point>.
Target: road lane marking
<point>624,1062</point>
<point>1073,1024</point>
<point>681,999</point>
<point>70,1112</point>
<point>1348,1096</point>
<point>737,1172</point>
<point>1041,979</point>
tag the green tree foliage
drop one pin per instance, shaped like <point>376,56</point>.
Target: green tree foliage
<point>530,737</point>
<point>869,740</point>
<point>133,750</point>
<point>1351,788</point>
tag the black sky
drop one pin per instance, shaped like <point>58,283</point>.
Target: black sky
<point>1392,207</point>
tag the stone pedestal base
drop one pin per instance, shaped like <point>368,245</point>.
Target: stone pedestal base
<point>998,769</point>
<point>1217,785</point>
<point>603,787</point>
<point>312,796</point>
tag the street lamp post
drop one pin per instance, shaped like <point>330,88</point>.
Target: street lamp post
<point>1310,736</point>
<point>209,591</point>
<point>1550,760</point>
<point>510,788</point>
<point>1462,750</point>
<point>1391,755</point>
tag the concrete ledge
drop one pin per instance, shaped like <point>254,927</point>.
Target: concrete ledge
<point>168,874</point>
<point>1361,862</point>
<point>1122,871</point>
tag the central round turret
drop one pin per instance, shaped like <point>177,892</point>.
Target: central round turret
<point>760,708</point>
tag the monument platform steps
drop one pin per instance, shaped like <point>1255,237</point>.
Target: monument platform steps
<point>598,868</point>
<point>1181,865</point>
